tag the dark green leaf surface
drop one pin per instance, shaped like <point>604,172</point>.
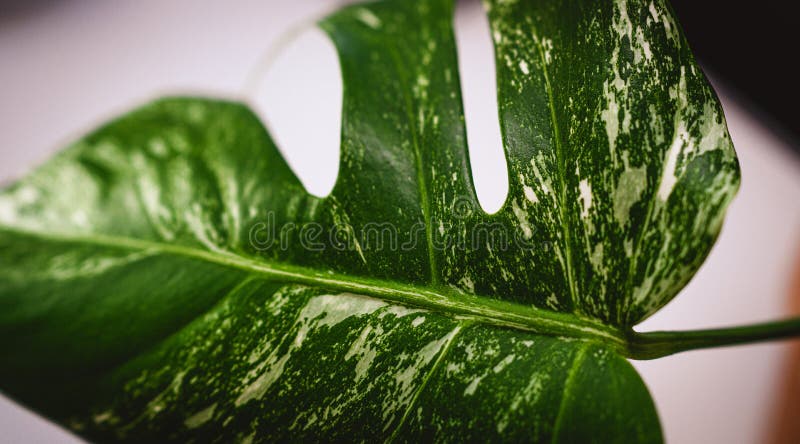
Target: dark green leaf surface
<point>142,295</point>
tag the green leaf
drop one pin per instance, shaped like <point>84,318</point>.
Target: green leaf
<point>168,278</point>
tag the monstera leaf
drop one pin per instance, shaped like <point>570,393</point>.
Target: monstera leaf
<point>168,278</point>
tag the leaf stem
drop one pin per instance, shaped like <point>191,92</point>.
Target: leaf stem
<point>632,344</point>
<point>657,344</point>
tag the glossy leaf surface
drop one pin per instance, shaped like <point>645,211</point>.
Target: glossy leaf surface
<point>167,277</point>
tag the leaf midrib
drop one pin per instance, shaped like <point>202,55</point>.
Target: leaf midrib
<point>561,176</point>
<point>441,299</point>
<point>422,183</point>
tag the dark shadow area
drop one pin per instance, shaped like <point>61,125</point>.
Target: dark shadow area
<point>13,11</point>
<point>751,47</point>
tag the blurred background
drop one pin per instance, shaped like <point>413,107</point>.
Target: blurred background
<point>67,65</point>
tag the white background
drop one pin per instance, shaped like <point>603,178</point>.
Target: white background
<point>67,65</point>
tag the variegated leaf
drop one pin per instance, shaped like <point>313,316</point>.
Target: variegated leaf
<point>167,277</point>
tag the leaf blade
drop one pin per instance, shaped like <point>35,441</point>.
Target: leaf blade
<point>206,175</point>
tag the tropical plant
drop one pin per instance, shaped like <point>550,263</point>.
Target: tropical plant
<point>168,278</point>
